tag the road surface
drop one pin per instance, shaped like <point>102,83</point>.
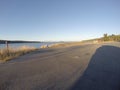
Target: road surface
<point>81,67</point>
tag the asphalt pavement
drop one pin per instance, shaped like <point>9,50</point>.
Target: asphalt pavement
<point>81,67</point>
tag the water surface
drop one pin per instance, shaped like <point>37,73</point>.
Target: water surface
<point>36,45</point>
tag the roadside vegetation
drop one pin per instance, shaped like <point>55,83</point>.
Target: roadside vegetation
<point>112,37</point>
<point>10,53</point>
<point>105,38</point>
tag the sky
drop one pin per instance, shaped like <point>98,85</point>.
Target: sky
<point>58,20</point>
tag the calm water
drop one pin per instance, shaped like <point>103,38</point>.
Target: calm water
<point>37,45</point>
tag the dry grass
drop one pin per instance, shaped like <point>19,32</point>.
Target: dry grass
<point>7,54</point>
<point>61,45</point>
<point>58,45</point>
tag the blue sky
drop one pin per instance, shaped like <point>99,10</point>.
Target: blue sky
<point>58,20</point>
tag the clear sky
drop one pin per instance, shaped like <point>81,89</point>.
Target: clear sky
<point>58,20</point>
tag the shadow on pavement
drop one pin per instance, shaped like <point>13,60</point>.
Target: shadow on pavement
<point>103,71</point>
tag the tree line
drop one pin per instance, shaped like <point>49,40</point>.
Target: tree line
<point>112,37</point>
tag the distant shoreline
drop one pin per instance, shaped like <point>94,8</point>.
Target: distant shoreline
<point>4,41</point>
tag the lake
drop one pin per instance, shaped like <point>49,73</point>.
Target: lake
<point>36,45</point>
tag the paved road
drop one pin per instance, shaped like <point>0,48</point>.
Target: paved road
<point>84,67</point>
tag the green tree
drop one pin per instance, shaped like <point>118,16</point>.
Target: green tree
<point>105,37</point>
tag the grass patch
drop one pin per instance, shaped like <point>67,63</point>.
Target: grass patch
<point>8,54</point>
